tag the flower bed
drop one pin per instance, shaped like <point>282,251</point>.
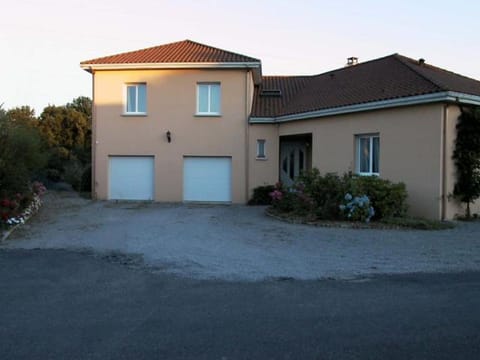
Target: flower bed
<point>18,209</point>
<point>345,201</point>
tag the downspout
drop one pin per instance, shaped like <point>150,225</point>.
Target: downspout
<point>94,138</point>
<point>444,164</point>
<point>247,140</point>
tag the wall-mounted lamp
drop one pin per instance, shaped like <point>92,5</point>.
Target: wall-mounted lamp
<point>169,136</point>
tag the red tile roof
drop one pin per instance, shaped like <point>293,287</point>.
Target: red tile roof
<point>186,51</point>
<point>387,78</point>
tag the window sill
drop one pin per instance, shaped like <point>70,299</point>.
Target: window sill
<point>207,115</point>
<point>368,174</point>
<point>134,114</point>
<point>261,158</point>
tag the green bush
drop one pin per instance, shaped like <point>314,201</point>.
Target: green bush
<point>86,185</point>
<point>73,173</point>
<point>324,197</point>
<point>325,192</point>
<point>21,155</point>
<point>282,199</point>
<point>387,198</point>
<point>261,195</point>
<point>53,175</point>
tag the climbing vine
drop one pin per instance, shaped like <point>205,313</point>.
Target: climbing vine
<point>467,157</point>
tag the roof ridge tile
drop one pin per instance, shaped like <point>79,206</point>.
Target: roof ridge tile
<point>184,51</point>
<point>401,59</point>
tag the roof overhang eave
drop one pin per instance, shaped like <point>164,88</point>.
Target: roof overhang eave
<point>446,96</point>
<point>192,65</point>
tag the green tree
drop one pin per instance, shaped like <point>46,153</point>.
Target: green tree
<point>83,105</point>
<point>21,154</point>
<point>63,127</point>
<point>68,132</point>
<point>467,157</point>
<point>22,115</point>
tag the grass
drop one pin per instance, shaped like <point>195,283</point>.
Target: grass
<point>407,223</point>
<point>418,223</point>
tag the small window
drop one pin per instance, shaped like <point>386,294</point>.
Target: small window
<point>261,154</point>
<point>136,102</point>
<point>208,99</point>
<point>368,154</point>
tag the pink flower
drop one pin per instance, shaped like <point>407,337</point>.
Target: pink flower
<point>276,195</point>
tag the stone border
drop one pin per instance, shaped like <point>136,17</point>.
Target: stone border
<point>30,210</point>
<point>336,224</point>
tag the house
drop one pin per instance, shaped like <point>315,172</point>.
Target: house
<point>189,122</point>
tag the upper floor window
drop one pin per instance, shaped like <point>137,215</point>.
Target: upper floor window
<point>136,101</point>
<point>261,154</point>
<point>368,154</point>
<point>208,99</point>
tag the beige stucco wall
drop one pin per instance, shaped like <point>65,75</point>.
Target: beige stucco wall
<point>410,144</point>
<point>171,106</point>
<point>453,207</point>
<point>263,171</point>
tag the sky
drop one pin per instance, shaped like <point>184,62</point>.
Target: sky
<point>43,42</point>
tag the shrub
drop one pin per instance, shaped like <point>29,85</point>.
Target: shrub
<point>261,195</point>
<point>324,197</point>
<point>73,174</point>
<point>467,158</point>
<point>21,155</point>
<point>282,199</point>
<point>387,198</point>
<point>86,184</point>
<point>53,175</point>
<point>14,209</point>
<point>326,192</point>
<point>357,208</point>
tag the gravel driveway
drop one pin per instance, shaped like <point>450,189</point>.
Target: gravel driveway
<point>239,242</point>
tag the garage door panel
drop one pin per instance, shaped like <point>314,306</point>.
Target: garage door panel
<point>131,177</point>
<point>207,179</point>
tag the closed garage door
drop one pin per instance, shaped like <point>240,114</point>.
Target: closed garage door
<point>207,179</point>
<point>131,178</point>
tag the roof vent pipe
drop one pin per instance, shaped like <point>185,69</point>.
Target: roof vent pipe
<point>352,61</point>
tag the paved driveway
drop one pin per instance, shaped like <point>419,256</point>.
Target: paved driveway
<point>57,304</point>
<point>239,242</point>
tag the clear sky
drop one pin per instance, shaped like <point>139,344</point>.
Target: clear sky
<point>42,42</point>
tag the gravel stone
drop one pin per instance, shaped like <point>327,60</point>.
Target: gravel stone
<point>239,242</point>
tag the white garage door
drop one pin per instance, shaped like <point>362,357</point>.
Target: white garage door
<point>131,178</point>
<point>207,179</point>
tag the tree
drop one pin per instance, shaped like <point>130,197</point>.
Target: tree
<point>63,127</point>
<point>82,104</point>
<point>22,115</point>
<point>467,157</point>
<point>68,132</point>
<point>21,154</point>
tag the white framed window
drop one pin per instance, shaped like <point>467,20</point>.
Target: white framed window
<point>368,154</point>
<point>261,149</point>
<point>208,99</point>
<point>136,99</point>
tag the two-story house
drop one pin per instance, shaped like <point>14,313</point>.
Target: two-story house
<point>190,122</point>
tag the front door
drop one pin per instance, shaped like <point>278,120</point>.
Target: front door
<point>292,161</point>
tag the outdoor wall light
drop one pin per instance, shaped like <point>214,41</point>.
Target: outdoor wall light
<point>169,136</point>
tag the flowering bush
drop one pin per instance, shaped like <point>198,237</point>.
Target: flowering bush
<point>282,198</point>
<point>38,188</point>
<point>329,197</point>
<point>357,208</point>
<point>16,210</point>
